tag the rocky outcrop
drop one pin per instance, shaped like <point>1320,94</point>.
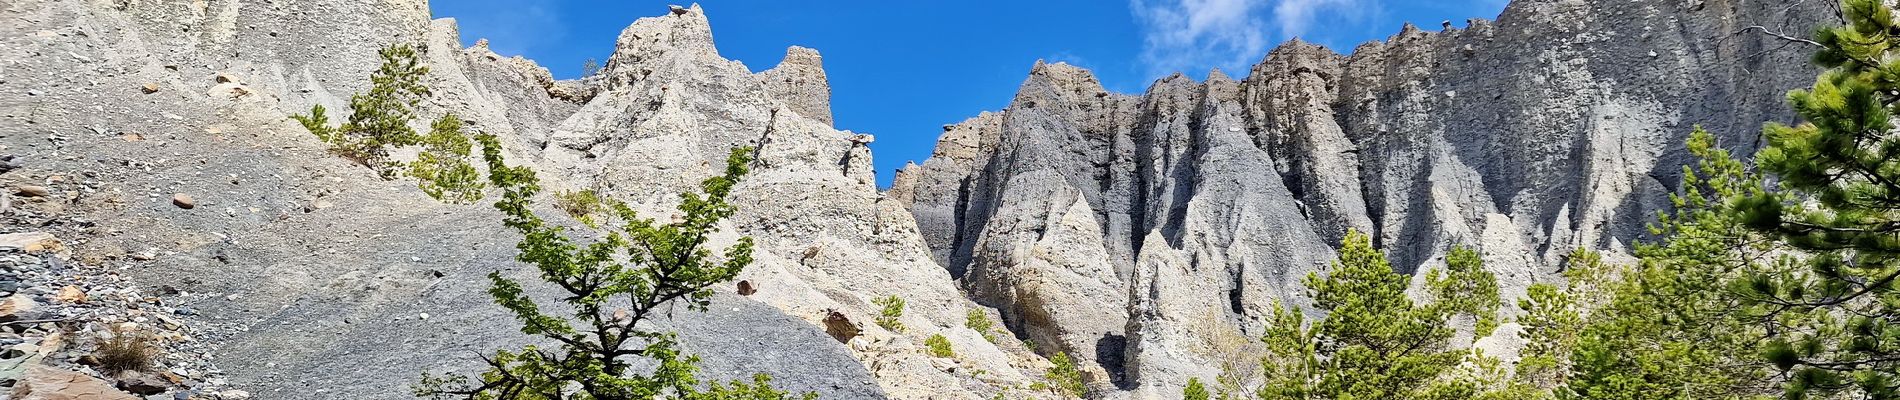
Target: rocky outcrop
<point>799,82</point>
<point>1556,127</point>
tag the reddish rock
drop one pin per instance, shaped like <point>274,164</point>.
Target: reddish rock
<point>49,383</point>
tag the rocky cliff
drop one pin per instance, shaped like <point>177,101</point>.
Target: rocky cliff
<point>1197,205</point>
<point>1143,234</point>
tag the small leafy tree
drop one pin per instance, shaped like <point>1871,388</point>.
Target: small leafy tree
<point>890,309</point>
<point>760,389</point>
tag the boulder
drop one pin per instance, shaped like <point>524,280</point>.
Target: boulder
<point>31,242</point>
<point>144,383</point>
<point>16,307</point>
<point>44,382</point>
<point>31,191</point>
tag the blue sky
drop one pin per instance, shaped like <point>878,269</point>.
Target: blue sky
<point>902,69</point>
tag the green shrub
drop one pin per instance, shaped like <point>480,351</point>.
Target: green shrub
<point>893,308</point>
<point>1064,377</point>
<point>980,322</point>
<point>126,350</point>
<point>939,346</point>
<point>581,204</point>
<point>590,68</point>
<point>442,169</point>
<point>759,389</point>
<point>1195,390</point>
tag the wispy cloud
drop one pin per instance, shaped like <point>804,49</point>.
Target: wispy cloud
<point>1295,17</point>
<point>1070,58</point>
<point>1195,35</point>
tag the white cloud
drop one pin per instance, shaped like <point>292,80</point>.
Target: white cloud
<point>1195,35</point>
<point>1296,16</point>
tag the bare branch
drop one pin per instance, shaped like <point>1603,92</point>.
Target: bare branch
<point>1779,35</point>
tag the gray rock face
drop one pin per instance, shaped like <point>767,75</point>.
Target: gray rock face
<point>1558,126</point>
<point>799,82</point>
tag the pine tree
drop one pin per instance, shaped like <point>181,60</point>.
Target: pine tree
<point>379,119</point>
<point>1672,327</point>
<point>379,122</point>
<point>1374,342</point>
<point>1194,390</point>
<point>612,285</point>
<point>1830,323</point>
<point>590,68</point>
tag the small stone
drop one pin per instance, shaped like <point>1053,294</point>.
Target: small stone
<point>225,78</point>
<point>149,88</point>
<point>184,201</point>
<point>229,90</point>
<point>31,191</point>
<point>676,9</point>
<point>234,394</point>
<point>144,384</point>
<point>424,316</point>
<point>187,311</point>
<point>70,294</point>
